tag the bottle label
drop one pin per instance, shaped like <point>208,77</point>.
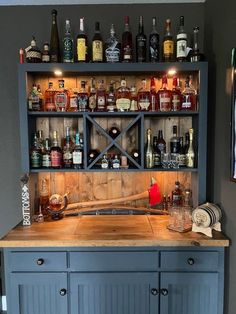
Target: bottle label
<point>61,101</point>
<point>33,54</point>
<point>56,158</point>
<point>45,58</point>
<point>154,48</point>
<point>168,47</point>
<point>68,50</point>
<point>156,159</point>
<point>144,104</point>
<point>116,165</point>
<point>92,101</point>
<point>133,105</point>
<point>141,50</point>
<point>101,102</point>
<point>49,102</point>
<point>104,165</point>
<point>35,159</point>
<point>82,102</point>
<point>127,53</point>
<point>165,103</point>
<point>182,160</point>
<point>81,49</point>
<point>73,102</point>
<point>77,158</point>
<point>113,52</point>
<point>97,50</point>
<point>175,102</point>
<point>181,48</point>
<point>111,106</point>
<point>186,104</point>
<point>123,104</point>
<point>46,161</point>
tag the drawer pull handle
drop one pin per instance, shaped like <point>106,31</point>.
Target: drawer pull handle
<point>154,291</point>
<point>191,261</point>
<point>164,292</point>
<point>63,292</point>
<point>40,261</point>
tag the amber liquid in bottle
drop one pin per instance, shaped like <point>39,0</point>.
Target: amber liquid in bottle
<point>168,43</point>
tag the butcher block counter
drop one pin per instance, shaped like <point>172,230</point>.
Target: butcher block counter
<point>107,231</point>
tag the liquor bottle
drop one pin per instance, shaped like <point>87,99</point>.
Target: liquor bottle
<point>164,96</point>
<point>92,155</point>
<point>73,100</point>
<point>49,104</point>
<point>82,97</point>
<point>34,100</point>
<point>181,42</point>
<point>35,154</point>
<point>141,43</point>
<point>45,53</point>
<point>44,196</point>
<point>176,99</point>
<point>68,44</point>
<point>175,142</point>
<point>123,97</point>
<point>177,195</point>
<point>46,156</point>
<point>104,162</point>
<point>97,45</point>
<point>77,154</point>
<point>149,158</point>
<point>133,99</point>
<point>156,153</point>
<point>153,95</point>
<point>111,98</point>
<point>113,47</point>
<point>182,156</point>
<point>40,139</point>
<point>101,97</point>
<point>40,95</point>
<point>144,97</point>
<point>92,95</point>
<point>54,41</point>
<point>168,43</point>
<point>67,151</point>
<point>135,155</point>
<point>195,54</point>
<point>186,144</point>
<point>190,155</point>
<point>161,143</point>
<point>115,162</point>
<point>154,45</point>
<point>189,97</point>
<point>114,131</point>
<point>61,97</point>
<point>56,152</point>
<point>127,44</point>
<point>32,53</point>
<point>82,46</point>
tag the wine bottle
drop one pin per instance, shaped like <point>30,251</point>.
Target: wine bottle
<point>190,156</point>
<point>149,158</point>
<point>82,46</point>
<point>141,43</point>
<point>154,49</point>
<point>181,42</point>
<point>97,45</point>
<point>54,42</point>
<point>68,44</point>
<point>127,45</point>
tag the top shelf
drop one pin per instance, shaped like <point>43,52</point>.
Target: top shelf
<point>112,67</point>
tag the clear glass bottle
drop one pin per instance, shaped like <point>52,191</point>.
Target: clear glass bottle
<point>54,41</point>
<point>127,44</point>
<point>68,44</point>
<point>176,99</point>
<point>190,155</point>
<point>153,95</point>
<point>149,158</point>
<point>61,97</point>
<point>92,95</point>
<point>154,45</point>
<point>33,53</point>
<point>77,154</point>
<point>181,42</point>
<point>144,97</point>
<point>101,97</point>
<point>113,47</point>
<point>82,97</point>
<point>195,54</point>
<point>116,162</point>
<point>34,100</point>
<point>82,43</point>
<point>111,98</point>
<point>46,156</point>
<point>164,96</point>
<point>141,43</point>
<point>49,103</point>
<point>45,53</point>
<point>97,45</point>
<point>123,97</point>
<point>56,152</point>
<point>104,162</point>
<point>168,43</point>
<point>133,99</point>
<point>189,97</point>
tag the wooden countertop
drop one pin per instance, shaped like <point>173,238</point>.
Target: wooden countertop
<point>102,230</point>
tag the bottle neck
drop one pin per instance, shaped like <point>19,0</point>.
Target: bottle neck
<point>140,25</point>
<point>81,26</point>
<point>154,27</point>
<point>195,39</point>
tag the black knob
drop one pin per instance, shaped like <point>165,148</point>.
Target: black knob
<point>164,292</point>
<point>154,291</point>
<point>40,261</point>
<point>191,261</point>
<point>63,292</point>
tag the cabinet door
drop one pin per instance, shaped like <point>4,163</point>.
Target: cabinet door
<point>34,293</point>
<point>114,293</point>
<point>186,293</point>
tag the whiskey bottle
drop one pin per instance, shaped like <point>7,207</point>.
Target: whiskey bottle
<point>46,156</point>
<point>144,97</point>
<point>168,43</point>
<point>116,162</point>
<point>195,54</point>
<point>40,95</point>
<point>61,97</point>
<point>81,43</point>
<point>77,154</point>
<point>156,153</point>
<point>32,53</point>
<point>133,99</point>
<point>35,154</point>
<point>92,155</point>
<point>127,44</point>
<point>34,100</point>
<point>67,151</point>
<point>141,43</point>
<point>97,45</point>
<point>164,96</point>
<point>82,97</point>
<point>49,104</point>
<point>123,97</point>
<point>154,45</point>
<point>73,100</point>
<point>56,152</point>
<point>114,131</point>
<point>68,44</point>
<point>104,162</point>
<point>176,99</point>
<point>161,143</point>
<point>111,98</point>
<point>153,95</point>
<point>182,156</point>
<point>149,158</point>
<point>45,53</point>
<point>92,95</point>
<point>175,142</point>
<point>190,155</point>
<point>181,42</point>
<point>101,97</point>
<point>54,41</point>
<point>177,195</point>
<point>113,47</point>
<point>189,97</point>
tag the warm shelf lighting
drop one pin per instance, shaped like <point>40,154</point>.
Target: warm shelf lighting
<point>58,72</point>
<point>171,72</point>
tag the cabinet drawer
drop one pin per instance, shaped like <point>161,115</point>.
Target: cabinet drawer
<point>190,260</point>
<point>37,261</point>
<point>117,261</point>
